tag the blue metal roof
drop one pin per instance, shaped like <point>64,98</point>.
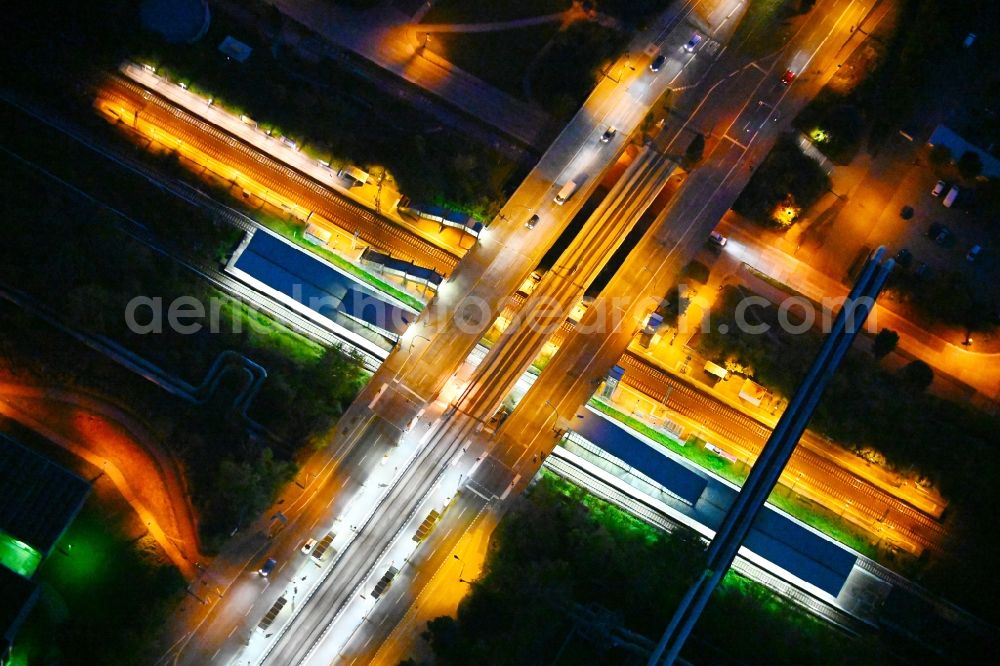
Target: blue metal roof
<point>453,216</point>
<point>38,498</point>
<point>798,550</point>
<point>427,274</point>
<point>317,285</point>
<point>774,536</point>
<point>653,462</point>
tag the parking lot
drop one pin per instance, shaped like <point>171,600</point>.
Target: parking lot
<point>887,200</point>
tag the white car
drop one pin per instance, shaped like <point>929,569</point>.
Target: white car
<point>308,546</point>
<point>938,188</point>
<point>693,43</point>
<point>717,239</point>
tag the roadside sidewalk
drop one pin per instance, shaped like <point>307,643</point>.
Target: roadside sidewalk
<point>977,369</point>
<point>381,198</point>
<point>386,37</point>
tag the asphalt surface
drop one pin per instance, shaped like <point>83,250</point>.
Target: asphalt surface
<point>464,307</point>
<point>735,110</point>
<point>430,354</point>
<point>136,105</point>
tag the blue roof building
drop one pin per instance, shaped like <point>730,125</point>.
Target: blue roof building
<point>776,537</point>
<point>320,289</point>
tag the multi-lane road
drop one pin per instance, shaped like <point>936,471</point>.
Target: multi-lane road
<point>465,306</point>
<point>407,413</point>
<point>405,387</point>
<point>734,108</point>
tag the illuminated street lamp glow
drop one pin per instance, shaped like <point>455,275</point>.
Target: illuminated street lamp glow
<point>819,135</point>
<point>18,556</point>
<point>786,212</point>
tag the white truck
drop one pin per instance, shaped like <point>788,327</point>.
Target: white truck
<point>949,199</point>
<point>566,192</point>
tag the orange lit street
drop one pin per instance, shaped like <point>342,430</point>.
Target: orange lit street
<point>547,333</point>
<point>267,181</point>
<point>448,583</point>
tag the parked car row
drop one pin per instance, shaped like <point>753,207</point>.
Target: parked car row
<point>941,234</point>
<point>950,198</point>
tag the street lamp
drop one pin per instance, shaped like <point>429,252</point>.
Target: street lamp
<point>415,337</point>
<point>628,63</point>
<point>461,570</point>
<point>506,218</point>
<point>409,348</point>
<point>555,411</point>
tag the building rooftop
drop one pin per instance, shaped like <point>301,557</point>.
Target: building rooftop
<point>945,136</point>
<point>317,285</point>
<point>18,595</point>
<point>38,500</point>
<point>775,536</point>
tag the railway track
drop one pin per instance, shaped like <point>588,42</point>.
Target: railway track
<point>751,435</point>
<point>131,99</point>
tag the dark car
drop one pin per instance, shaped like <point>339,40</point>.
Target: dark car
<point>788,77</point>
<point>938,233</point>
<point>657,63</point>
<point>532,221</point>
<point>921,271</point>
<point>268,567</point>
<point>904,258</point>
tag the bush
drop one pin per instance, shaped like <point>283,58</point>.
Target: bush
<point>786,172</point>
<point>970,165</point>
<point>885,342</point>
<point>917,376</point>
<point>568,572</point>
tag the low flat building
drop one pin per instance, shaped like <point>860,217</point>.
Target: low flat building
<point>38,501</point>
<point>17,597</point>
<point>806,555</point>
<point>958,146</point>
<point>317,289</point>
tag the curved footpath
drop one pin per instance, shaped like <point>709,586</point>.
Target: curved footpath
<point>108,437</point>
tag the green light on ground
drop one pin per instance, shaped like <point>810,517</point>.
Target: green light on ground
<point>80,560</point>
<point>18,657</point>
<point>18,556</point>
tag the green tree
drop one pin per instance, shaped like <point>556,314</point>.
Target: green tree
<point>970,165</point>
<point>787,172</point>
<point>885,342</point>
<point>243,489</point>
<point>917,376</point>
<point>675,304</point>
<point>695,150</point>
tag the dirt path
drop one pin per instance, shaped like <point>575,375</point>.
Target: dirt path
<point>110,438</point>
